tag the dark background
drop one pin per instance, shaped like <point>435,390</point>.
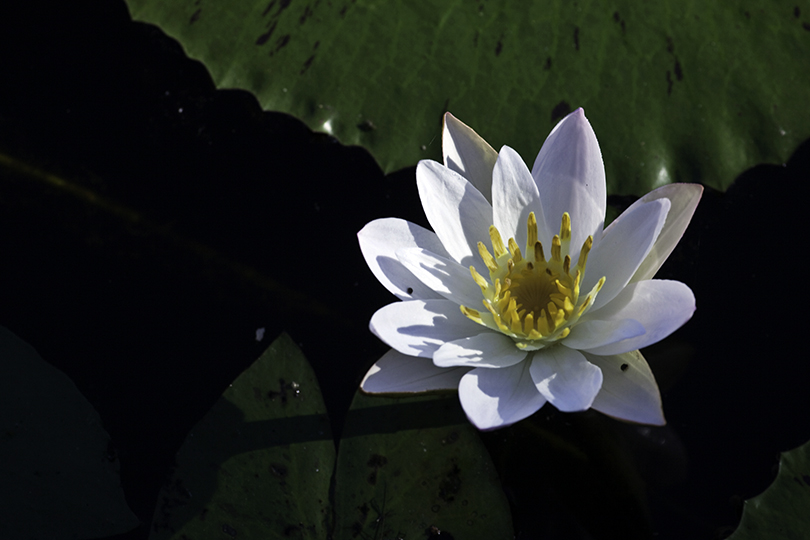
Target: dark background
<point>189,218</point>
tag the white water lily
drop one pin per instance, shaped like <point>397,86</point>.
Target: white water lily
<point>521,296</point>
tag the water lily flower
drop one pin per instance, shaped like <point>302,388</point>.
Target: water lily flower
<point>520,295</point>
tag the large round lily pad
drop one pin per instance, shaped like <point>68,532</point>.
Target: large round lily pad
<point>676,91</point>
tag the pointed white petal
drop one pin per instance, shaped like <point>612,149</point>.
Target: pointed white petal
<point>456,210</point>
<point>595,333</point>
<point>570,177</point>
<point>495,398</point>
<point>468,154</point>
<point>625,243</point>
<point>379,241</point>
<point>486,350</point>
<point>661,306</point>
<point>684,199</point>
<point>565,378</point>
<point>396,373</point>
<point>420,327</point>
<point>443,275</point>
<point>514,196</point>
<point>628,394</point>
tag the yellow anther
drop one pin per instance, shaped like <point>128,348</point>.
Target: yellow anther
<point>497,242</point>
<point>531,232</point>
<point>568,307</point>
<point>565,234</point>
<point>556,249</point>
<point>503,303</point>
<point>542,323</point>
<point>479,279</point>
<point>513,247</point>
<point>538,253</point>
<point>528,324</point>
<point>565,291</point>
<point>499,322</point>
<point>491,263</point>
<point>550,320</point>
<point>583,254</point>
<point>565,227</point>
<point>516,325</point>
<point>567,264</point>
<point>584,306</point>
<point>472,314</point>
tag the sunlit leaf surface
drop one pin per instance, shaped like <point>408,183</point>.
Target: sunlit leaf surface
<point>781,512</point>
<point>260,462</point>
<point>676,91</point>
<point>58,470</point>
<point>415,468</point>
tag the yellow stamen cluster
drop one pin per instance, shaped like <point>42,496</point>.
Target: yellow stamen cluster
<point>533,300</point>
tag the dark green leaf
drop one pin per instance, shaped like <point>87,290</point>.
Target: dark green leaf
<point>781,512</point>
<point>58,471</point>
<point>415,468</point>
<point>676,91</point>
<point>259,464</point>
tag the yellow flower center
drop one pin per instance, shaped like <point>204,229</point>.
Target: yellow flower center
<point>533,300</point>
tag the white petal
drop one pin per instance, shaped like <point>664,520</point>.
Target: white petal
<point>420,327</point>
<point>494,398</point>
<point>397,373</point>
<point>570,177</point>
<point>379,241</point>
<point>468,154</point>
<point>486,350</point>
<point>684,199</point>
<point>514,196</point>
<point>628,394</point>
<point>565,378</point>
<point>625,243</point>
<point>661,306</point>
<point>456,210</point>
<point>443,275</point>
<point>595,333</point>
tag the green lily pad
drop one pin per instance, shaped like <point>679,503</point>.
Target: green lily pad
<point>676,91</point>
<point>58,473</point>
<point>259,464</point>
<point>415,468</point>
<point>781,511</point>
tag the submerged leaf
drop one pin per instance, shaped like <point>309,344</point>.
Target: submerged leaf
<point>259,464</point>
<point>58,469</point>
<point>415,468</point>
